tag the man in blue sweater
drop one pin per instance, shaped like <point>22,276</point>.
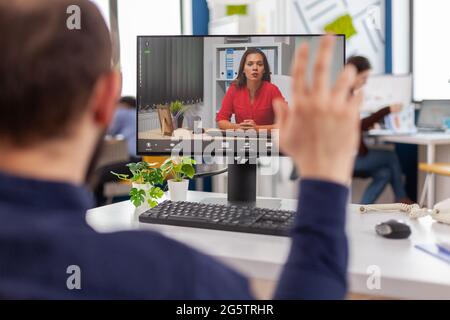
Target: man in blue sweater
<point>58,94</point>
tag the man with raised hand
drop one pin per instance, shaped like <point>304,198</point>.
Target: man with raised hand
<point>58,93</point>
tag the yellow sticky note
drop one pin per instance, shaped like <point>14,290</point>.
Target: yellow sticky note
<point>237,9</point>
<point>342,25</point>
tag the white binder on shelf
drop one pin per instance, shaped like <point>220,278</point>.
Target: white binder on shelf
<point>222,70</point>
<point>237,61</point>
<point>270,54</point>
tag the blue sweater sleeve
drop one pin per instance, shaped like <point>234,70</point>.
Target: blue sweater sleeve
<point>317,264</point>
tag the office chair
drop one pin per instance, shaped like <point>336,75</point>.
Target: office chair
<point>113,156</point>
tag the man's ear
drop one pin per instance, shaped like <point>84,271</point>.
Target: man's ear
<point>105,97</point>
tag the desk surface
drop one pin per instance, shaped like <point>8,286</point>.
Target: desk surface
<point>406,272</point>
<point>415,138</point>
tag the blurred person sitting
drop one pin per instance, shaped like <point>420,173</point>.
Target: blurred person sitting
<point>382,166</point>
<point>124,124</point>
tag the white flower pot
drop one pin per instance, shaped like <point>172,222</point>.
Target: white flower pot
<point>178,190</point>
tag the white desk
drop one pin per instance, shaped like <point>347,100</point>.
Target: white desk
<point>430,140</point>
<point>406,272</point>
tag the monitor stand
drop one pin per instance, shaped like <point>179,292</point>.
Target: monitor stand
<point>242,189</point>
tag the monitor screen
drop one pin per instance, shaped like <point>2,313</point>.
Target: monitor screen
<point>214,95</point>
<point>434,114</point>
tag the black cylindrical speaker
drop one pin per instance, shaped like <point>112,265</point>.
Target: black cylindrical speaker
<point>242,182</point>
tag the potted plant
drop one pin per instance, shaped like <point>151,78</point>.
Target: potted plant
<point>145,182</point>
<point>178,109</point>
<point>178,171</point>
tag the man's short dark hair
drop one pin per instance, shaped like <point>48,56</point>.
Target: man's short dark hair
<point>47,71</point>
<point>361,63</point>
<point>128,101</point>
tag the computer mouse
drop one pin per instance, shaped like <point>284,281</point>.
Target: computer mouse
<point>393,229</point>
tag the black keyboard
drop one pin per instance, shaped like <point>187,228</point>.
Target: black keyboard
<point>221,217</point>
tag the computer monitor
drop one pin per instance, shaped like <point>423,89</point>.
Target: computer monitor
<point>433,113</point>
<point>193,99</point>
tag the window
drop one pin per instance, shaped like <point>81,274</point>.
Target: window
<point>431,49</point>
<point>143,17</point>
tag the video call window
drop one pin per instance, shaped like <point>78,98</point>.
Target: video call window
<point>215,93</point>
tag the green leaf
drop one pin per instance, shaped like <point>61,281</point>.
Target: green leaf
<point>166,162</point>
<point>156,192</point>
<point>167,165</point>
<point>132,167</point>
<point>121,176</point>
<point>144,173</point>
<point>152,203</point>
<point>155,176</point>
<point>178,168</point>
<point>137,196</point>
<point>137,179</point>
<point>187,160</point>
<point>188,170</point>
<point>176,106</point>
<point>143,165</point>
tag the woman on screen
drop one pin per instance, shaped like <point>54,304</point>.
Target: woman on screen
<point>250,97</point>
<point>383,166</point>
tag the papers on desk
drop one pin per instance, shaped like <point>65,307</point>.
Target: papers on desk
<point>398,123</point>
<point>402,121</point>
<point>389,132</point>
<point>436,251</point>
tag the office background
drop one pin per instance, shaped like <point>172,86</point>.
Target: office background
<point>382,30</point>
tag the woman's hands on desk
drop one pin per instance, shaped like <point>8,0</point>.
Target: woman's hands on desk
<point>251,124</point>
<point>248,124</point>
<point>245,125</point>
<point>321,130</point>
<point>396,107</point>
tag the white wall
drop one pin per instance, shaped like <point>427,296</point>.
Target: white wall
<point>143,17</point>
<point>401,37</point>
<point>431,57</point>
<point>187,16</point>
<point>367,16</point>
